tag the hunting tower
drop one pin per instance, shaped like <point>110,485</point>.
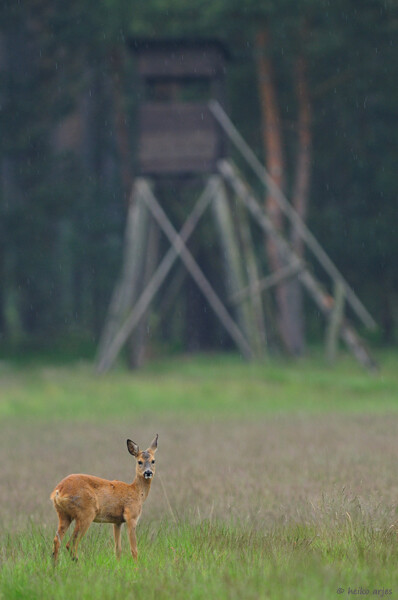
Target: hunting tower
<point>178,135</point>
<point>182,126</point>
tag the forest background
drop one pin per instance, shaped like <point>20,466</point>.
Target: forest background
<point>312,88</point>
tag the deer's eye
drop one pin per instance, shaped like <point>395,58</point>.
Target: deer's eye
<point>140,462</point>
<point>153,462</point>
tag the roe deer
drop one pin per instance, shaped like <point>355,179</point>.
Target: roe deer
<point>85,498</point>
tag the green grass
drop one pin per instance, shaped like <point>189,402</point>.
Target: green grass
<point>305,555</point>
<point>205,387</point>
<point>210,560</point>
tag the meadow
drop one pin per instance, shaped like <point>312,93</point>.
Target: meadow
<point>275,480</point>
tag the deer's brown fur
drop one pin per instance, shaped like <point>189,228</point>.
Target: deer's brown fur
<point>86,499</point>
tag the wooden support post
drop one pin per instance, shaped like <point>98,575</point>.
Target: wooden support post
<point>107,358</point>
<point>133,259</point>
<point>235,274</point>
<point>313,287</point>
<point>250,262</point>
<point>139,338</point>
<point>335,321</point>
<point>227,125</point>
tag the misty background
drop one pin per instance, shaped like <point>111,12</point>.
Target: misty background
<point>69,95</point>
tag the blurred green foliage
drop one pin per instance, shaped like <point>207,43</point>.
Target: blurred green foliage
<point>61,210</point>
<point>205,387</point>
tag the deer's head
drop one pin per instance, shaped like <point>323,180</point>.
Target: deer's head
<point>145,466</point>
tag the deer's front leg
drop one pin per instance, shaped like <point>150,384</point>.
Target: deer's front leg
<point>116,534</point>
<point>131,525</point>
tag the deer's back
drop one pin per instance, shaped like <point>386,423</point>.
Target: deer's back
<point>105,500</point>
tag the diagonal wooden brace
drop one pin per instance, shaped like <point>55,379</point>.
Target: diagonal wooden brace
<point>109,354</point>
<point>195,271</point>
<point>315,247</point>
<point>309,282</point>
<point>264,284</point>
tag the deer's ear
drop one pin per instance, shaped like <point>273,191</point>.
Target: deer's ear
<point>154,444</point>
<point>133,448</point>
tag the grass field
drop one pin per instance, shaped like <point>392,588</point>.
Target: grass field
<point>273,481</point>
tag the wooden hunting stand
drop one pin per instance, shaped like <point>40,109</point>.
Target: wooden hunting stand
<point>183,130</point>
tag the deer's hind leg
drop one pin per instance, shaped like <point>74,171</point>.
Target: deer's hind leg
<point>63,524</point>
<point>82,523</point>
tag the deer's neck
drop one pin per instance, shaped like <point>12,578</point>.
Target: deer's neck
<point>142,486</point>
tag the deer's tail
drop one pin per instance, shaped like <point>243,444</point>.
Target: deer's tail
<point>60,502</point>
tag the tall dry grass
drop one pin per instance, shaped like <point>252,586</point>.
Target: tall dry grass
<point>276,470</point>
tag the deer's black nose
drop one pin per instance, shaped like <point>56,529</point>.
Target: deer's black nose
<point>148,473</point>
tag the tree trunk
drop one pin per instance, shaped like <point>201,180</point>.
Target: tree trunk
<point>11,198</point>
<point>272,140</point>
<point>300,201</point>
